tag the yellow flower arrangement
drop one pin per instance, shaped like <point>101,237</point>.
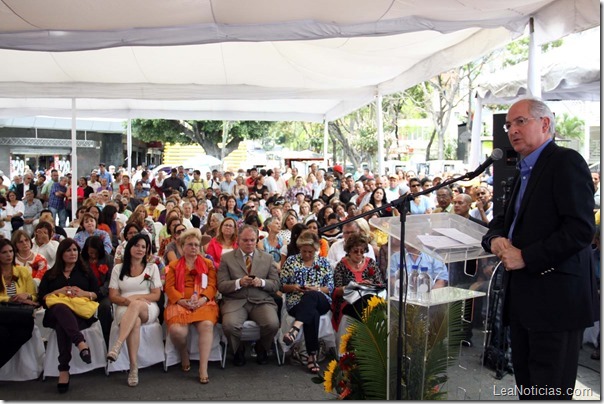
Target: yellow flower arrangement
<point>371,304</point>
<point>344,342</point>
<point>360,371</point>
<point>328,376</point>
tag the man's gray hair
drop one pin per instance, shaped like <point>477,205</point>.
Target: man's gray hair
<point>538,109</point>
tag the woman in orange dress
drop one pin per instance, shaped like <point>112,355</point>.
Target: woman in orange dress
<point>191,287</point>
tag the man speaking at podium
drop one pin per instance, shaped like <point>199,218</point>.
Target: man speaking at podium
<point>543,238</point>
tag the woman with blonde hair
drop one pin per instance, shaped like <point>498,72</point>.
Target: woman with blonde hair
<point>191,287</point>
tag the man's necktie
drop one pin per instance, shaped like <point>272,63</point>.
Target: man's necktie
<point>248,264</point>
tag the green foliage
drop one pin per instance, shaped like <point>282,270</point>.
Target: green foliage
<point>570,127</point>
<point>208,134</point>
<point>361,372</point>
<point>430,359</point>
<point>517,51</point>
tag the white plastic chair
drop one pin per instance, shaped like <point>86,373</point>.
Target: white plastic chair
<point>217,353</point>
<point>98,352</point>
<point>38,319</point>
<point>28,362</point>
<point>150,350</point>
<point>326,331</point>
<point>251,332</point>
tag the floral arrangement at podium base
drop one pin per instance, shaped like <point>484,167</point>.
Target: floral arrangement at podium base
<point>361,371</point>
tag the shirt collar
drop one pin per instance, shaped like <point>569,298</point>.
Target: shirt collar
<point>529,161</point>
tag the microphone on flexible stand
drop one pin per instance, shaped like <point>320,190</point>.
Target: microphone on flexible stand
<point>496,154</point>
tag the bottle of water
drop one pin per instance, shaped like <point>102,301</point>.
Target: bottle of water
<point>424,285</point>
<point>412,288</point>
<point>194,298</point>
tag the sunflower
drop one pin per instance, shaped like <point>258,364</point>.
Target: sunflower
<point>344,342</point>
<point>371,304</point>
<point>328,376</point>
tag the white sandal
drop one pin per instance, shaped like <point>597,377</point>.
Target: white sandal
<point>133,377</point>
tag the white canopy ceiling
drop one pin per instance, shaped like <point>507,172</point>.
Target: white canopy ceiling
<point>570,72</point>
<point>248,59</point>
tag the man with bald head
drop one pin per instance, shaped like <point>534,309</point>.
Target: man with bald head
<point>462,203</point>
<point>543,237</point>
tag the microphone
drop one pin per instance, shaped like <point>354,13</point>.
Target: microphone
<point>497,154</point>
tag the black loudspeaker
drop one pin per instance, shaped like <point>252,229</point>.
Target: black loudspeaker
<point>504,170</point>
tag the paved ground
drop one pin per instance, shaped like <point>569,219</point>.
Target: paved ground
<point>270,382</point>
<point>469,381</point>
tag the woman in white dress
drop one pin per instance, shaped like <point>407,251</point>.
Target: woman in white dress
<point>135,287</point>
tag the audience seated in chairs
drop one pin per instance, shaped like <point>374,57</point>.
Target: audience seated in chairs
<point>248,279</point>
<point>24,256</point>
<point>354,267</point>
<point>191,287</point>
<point>88,228</point>
<point>70,277</point>
<point>43,243</point>
<point>135,288</point>
<point>99,263</point>
<point>16,286</point>
<point>307,279</point>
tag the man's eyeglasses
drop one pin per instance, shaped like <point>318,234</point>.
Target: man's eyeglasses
<point>518,122</point>
<point>414,185</point>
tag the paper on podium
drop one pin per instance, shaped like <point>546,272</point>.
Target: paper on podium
<point>444,236</point>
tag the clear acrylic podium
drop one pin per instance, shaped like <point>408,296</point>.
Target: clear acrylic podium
<point>444,337</point>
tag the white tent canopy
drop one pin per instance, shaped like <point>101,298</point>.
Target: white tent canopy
<point>570,72</point>
<point>241,59</point>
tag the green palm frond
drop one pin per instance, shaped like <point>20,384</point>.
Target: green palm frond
<point>369,342</point>
<point>432,341</point>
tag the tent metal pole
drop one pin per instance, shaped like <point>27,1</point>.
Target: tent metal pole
<point>475,143</point>
<point>325,141</point>
<point>129,146</point>
<point>380,132</point>
<point>534,69</point>
<point>74,160</point>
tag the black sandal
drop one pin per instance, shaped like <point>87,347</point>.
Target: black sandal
<point>312,365</point>
<point>291,335</point>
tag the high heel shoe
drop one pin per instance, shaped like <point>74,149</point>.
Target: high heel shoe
<point>85,355</point>
<point>113,354</point>
<point>62,387</point>
<point>133,377</point>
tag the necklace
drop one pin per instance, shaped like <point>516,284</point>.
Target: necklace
<point>357,265</point>
<point>25,259</point>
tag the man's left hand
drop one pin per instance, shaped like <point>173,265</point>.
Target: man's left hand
<point>512,259</point>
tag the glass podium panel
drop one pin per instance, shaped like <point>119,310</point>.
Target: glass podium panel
<point>443,337</point>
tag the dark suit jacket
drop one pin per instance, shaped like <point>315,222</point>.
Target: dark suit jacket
<point>554,229</point>
<point>20,193</point>
<point>232,267</point>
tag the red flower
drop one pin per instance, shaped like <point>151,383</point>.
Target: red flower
<point>345,393</point>
<point>147,277</point>
<point>103,269</point>
<point>193,272</point>
<point>371,271</point>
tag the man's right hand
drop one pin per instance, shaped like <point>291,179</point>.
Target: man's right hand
<point>246,282</point>
<point>499,245</point>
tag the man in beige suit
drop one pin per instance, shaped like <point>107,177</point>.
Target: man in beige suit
<point>246,285</point>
